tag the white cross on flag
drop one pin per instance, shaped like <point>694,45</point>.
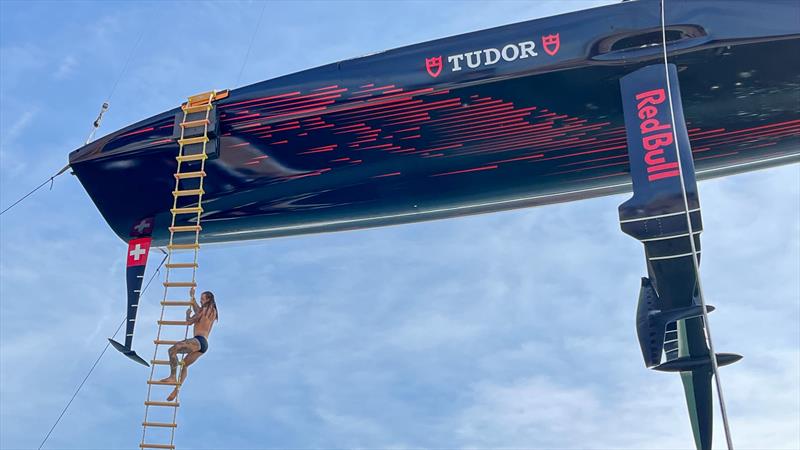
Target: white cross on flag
<point>143,228</point>
<point>138,250</point>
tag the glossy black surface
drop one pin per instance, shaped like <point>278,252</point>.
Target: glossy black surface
<point>378,140</point>
<point>664,214</point>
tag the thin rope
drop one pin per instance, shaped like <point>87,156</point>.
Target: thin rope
<point>695,260</point>
<point>49,180</point>
<point>96,361</point>
<point>125,67</point>
<point>252,40</point>
<point>96,123</point>
<point>107,102</point>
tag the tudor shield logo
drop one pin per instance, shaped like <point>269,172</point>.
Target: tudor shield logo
<point>478,58</point>
<point>551,43</point>
<point>434,66</point>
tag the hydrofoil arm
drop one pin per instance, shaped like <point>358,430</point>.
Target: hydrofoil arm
<point>664,214</point>
<point>138,251</point>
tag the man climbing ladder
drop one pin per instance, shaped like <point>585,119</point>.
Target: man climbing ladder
<point>197,139</point>
<point>203,320</point>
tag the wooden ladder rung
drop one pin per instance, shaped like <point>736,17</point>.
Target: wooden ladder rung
<point>195,123</point>
<point>173,322</point>
<point>195,108</point>
<point>195,157</point>
<point>181,265</point>
<point>193,140</point>
<point>189,210</point>
<point>187,192</point>
<point>197,130</point>
<point>163,383</point>
<point>167,404</point>
<point>164,446</point>
<point>185,175</point>
<point>159,424</point>
<point>182,246</point>
<point>181,228</point>
<point>180,284</point>
<point>175,303</point>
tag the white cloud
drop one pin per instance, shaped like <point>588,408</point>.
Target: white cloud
<point>18,126</point>
<point>66,67</point>
<point>539,412</point>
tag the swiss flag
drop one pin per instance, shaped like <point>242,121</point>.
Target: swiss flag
<point>143,227</point>
<point>138,249</point>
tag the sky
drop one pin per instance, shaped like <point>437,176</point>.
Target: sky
<point>507,330</point>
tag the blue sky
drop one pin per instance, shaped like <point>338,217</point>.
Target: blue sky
<point>510,330</point>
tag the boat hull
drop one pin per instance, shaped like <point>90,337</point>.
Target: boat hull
<point>522,115</point>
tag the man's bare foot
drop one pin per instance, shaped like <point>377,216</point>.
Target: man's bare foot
<point>169,379</point>
<point>172,395</point>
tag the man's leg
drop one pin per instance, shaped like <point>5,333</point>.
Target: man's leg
<point>185,346</point>
<point>187,361</point>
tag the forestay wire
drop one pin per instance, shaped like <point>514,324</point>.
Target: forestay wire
<point>252,40</point>
<point>122,72</point>
<point>95,124</point>
<point>695,260</point>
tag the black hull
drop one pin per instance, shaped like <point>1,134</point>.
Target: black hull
<point>380,140</point>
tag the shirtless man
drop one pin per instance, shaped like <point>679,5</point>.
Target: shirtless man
<point>203,320</point>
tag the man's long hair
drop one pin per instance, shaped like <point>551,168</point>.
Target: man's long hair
<point>210,296</point>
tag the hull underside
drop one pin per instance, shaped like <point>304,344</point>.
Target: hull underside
<point>380,140</point>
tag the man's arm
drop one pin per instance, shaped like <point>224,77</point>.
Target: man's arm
<point>195,306</point>
<point>191,319</point>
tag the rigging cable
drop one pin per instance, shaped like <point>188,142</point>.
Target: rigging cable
<point>75,394</point>
<point>95,125</point>
<point>125,67</point>
<point>695,260</point>
<point>252,40</point>
<point>122,72</point>
<point>49,180</point>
